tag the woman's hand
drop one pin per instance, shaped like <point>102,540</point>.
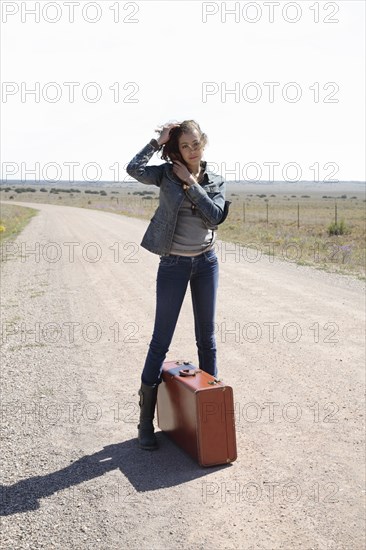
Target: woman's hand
<point>165,132</point>
<point>182,172</point>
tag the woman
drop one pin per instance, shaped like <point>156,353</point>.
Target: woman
<point>182,231</point>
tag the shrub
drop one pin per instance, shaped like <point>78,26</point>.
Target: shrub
<point>143,193</point>
<point>338,228</point>
<point>24,190</point>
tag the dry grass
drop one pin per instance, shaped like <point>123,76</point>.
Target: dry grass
<point>306,241</point>
<point>13,219</point>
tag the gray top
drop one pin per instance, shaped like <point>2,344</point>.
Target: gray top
<point>191,236</point>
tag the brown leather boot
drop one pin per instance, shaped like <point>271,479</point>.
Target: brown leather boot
<point>146,436</point>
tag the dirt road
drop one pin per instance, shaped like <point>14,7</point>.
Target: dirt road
<point>77,318</point>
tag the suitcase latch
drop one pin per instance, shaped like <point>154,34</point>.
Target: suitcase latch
<point>188,372</point>
<point>215,381</point>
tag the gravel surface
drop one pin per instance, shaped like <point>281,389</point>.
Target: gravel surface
<point>75,333</point>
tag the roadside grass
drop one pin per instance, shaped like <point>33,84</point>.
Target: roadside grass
<point>13,219</point>
<point>312,243</point>
<point>298,228</point>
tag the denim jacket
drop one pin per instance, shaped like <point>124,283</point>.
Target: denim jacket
<point>207,196</point>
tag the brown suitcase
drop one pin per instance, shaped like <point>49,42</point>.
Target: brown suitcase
<point>197,412</point>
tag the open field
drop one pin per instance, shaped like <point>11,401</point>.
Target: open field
<point>288,221</point>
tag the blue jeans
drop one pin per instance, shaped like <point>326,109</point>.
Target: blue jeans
<point>173,275</point>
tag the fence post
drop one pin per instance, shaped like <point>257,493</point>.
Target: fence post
<point>243,211</point>
<point>298,215</point>
<point>267,211</point>
<point>335,212</point>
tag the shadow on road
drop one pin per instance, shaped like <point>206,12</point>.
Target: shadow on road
<point>145,470</point>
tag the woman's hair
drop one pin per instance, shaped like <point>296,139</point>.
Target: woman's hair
<point>170,150</point>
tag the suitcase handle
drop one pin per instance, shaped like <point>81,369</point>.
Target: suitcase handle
<point>188,372</point>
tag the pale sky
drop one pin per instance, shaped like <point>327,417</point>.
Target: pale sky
<point>170,55</point>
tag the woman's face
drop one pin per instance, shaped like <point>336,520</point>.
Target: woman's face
<point>189,147</point>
